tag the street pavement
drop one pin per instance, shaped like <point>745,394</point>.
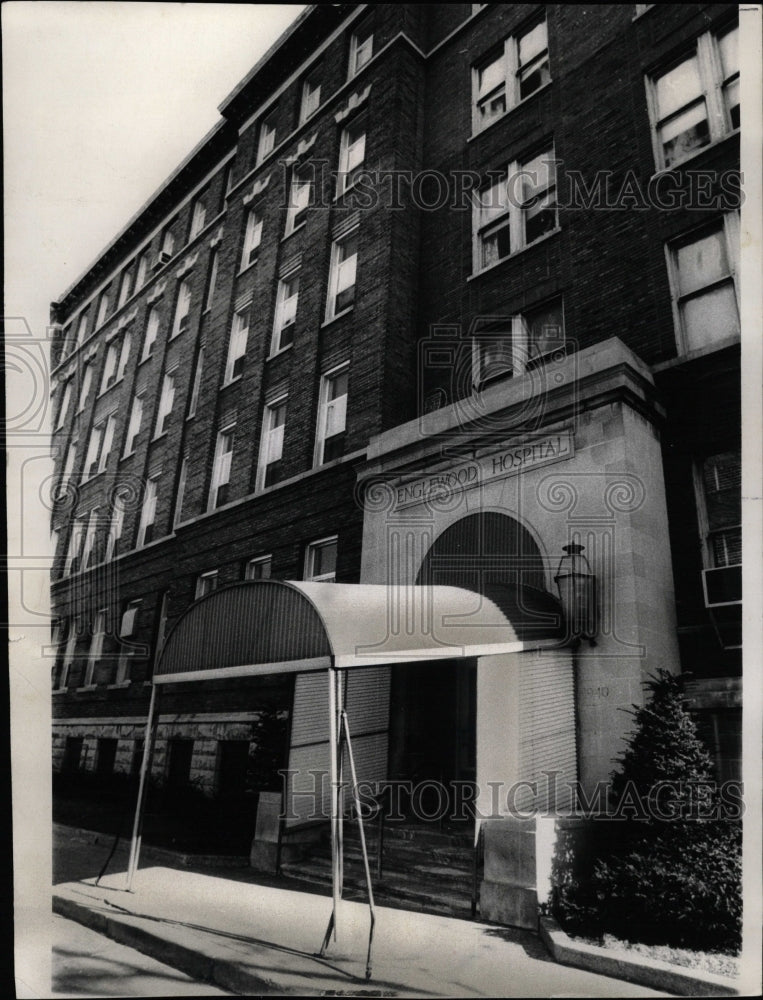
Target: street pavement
<point>262,940</point>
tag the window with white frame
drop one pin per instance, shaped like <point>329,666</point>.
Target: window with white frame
<point>219,490</point>
<point>342,274</point>
<point>517,208</point>
<point>87,381</point>
<point>103,309</point>
<point>133,427</point>
<point>125,287</point>
<point>63,409</point>
<point>107,442</point>
<point>311,95</point>
<point>82,328</point>
<point>96,647</point>
<point>198,217</point>
<point>252,238</point>
<point>206,583</point>
<point>286,312</point>
<point>90,553</point>
<point>696,100</point>
<point>165,404</point>
<point>352,153</point>
<point>168,246</point>
<point>704,266</point>
<point>361,48</point>
<point>505,348</point>
<point>93,452</point>
<point>124,354</point>
<point>147,522</point>
<point>271,447</point>
<point>211,280</point>
<point>152,331</point>
<point>142,272</point>
<point>66,664</point>
<point>182,309</point>
<point>116,525</point>
<point>320,560</point>
<point>180,493</point>
<point>332,415</point>
<point>115,365</point>
<point>196,388</point>
<point>510,73</point>
<point>237,346</point>
<point>721,509</point>
<point>300,196</point>
<point>259,568</point>
<point>71,453</point>
<point>127,628</point>
<point>267,140</point>
<point>76,536</point>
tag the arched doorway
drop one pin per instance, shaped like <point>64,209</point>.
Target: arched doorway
<point>433,716</point>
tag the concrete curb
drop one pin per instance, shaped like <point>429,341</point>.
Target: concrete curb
<point>625,965</point>
<point>159,853</point>
<point>193,961</point>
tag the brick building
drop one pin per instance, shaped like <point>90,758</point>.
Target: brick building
<point>446,289</point>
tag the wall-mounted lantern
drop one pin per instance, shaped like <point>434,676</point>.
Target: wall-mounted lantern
<point>577,591</point>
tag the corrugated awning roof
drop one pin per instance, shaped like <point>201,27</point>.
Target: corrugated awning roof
<point>270,626</point>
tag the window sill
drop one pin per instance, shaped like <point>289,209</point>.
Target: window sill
<point>700,352</point>
<point>158,437</point>
<point>117,686</point>
<point>230,381</point>
<point>110,387</point>
<point>336,316</point>
<point>142,361</point>
<point>277,354</point>
<point>127,455</point>
<point>59,691</point>
<point>296,229</point>
<point>87,687</point>
<point>695,155</point>
<point>241,271</point>
<point>512,256</point>
<point>508,112</point>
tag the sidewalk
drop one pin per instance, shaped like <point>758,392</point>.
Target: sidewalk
<point>253,939</point>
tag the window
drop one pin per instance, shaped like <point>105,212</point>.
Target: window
<point>72,754</point>
<point>505,348</point>
<point>219,491</point>
<point>696,101</point>
<point>232,768</point>
<point>133,428</point>
<point>206,583</point>
<point>299,201</point>
<point>63,409</point>
<point>311,96</point>
<point>107,442</point>
<point>344,260</point>
<point>96,647</point>
<point>320,560</point>
<point>148,513</point>
<point>267,139</point>
<point>259,568</point>
<point>703,269</point>
<point>126,631</point>
<point>71,453</point>
<point>125,288</point>
<point>66,665</point>
<point>87,381</point>
<point>89,552</point>
<point>82,328</point>
<point>106,755</point>
<point>332,416</point>
<point>512,72</point>
<point>116,362</point>
<point>142,272</point>
<point>516,209</point>
<point>212,280</point>
<point>271,448</point>
<point>92,453</point>
<point>361,48</point>
<point>252,238</point>
<point>115,529</point>
<point>168,246</point>
<point>103,308</point>
<point>196,383</point>
<point>722,492</point>
<point>352,152</point>
<point>286,312</point>
<point>182,309</point>
<point>237,346</point>
<point>179,757</point>
<point>152,331</point>
<point>75,545</point>
<point>198,218</point>
<point>165,404</point>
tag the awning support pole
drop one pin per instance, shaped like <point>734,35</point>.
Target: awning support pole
<point>336,889</point>
<point>362,835</point>
<point>145,769</point>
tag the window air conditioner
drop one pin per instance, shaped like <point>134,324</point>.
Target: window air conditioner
<point>722,586</point>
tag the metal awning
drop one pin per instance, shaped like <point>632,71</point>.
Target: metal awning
<point>273,626</point>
